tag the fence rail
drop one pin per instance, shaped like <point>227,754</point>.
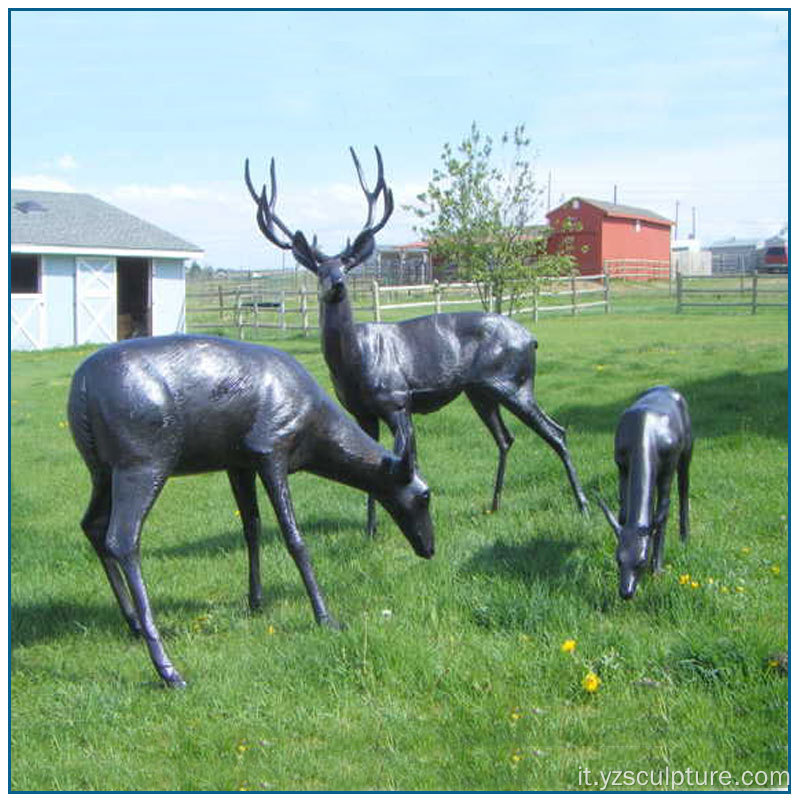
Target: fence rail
<point>249,306</point>
<point>748,288</point>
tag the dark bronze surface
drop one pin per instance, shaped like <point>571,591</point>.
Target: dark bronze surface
<point>145,409</point>
<point>652,443</point>
<point>386,371</point>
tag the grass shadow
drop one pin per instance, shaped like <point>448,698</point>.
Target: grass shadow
<point>720,406</point>
<point>31,623</point>
<point>542,559</point>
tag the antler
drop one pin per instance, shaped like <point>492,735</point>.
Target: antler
<point>364,243</point>
<point>353,254</point>
<point>372,197</point>
<point>266,216</point>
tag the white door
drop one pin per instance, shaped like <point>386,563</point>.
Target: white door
<point>95,300</point>
<point>27,321</point>
<point>169,296</point>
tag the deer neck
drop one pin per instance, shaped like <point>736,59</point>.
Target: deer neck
<point>339,341</point>
<point>344,453</point>
<point>641,482</point>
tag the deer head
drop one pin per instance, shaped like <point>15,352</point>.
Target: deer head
<point>633,551</point>
<point>330,270</point>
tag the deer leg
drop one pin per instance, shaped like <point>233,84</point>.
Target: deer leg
<point>133,493</point>
<point>371,426</point>
<point>683,493</point>
<point>522,404</point>
<point>664,487</point>
<point>243,484</point>
<point>402,427</point>
<point>273,477</point>
<point>95,525</point>
<point>489,413</point>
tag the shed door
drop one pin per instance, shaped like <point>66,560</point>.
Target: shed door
<point>27,321</point>
<point>95,300</point>
<point>169,296</point>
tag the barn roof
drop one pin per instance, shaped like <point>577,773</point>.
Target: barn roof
<point>66,219</point>
<point>618,210</point>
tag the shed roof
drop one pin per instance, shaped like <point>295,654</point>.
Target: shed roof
<point>618,210</point>
<point>66,219</point>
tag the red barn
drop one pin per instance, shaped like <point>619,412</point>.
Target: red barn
<point>596,232</point>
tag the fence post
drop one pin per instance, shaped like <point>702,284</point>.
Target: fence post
<point>304,309</point>
<point>536,302</point>
<point>239,320</point>
<point>221,301</point>
<point>605,288</point>
<point>755,291</point>
<point>574,296</point>
<point>376,301</point>
<point>679,289</point>
<point>282,310</point>
<point>437,297</point>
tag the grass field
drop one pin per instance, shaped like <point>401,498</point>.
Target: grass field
<point>451,673</point>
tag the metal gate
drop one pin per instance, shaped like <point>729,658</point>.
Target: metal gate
<point>95,300</point>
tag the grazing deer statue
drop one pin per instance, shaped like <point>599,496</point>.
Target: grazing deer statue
<point>652,443</point>
<point>385,371</point>
<point>145,409</point>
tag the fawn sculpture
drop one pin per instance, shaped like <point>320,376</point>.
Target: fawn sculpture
<point>653,441</point>
<point>389,371</point>
<point>145,409</point>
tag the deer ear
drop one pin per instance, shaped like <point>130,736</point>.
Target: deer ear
<point>400,468</point>
<point>302,251</point>
<point>360,250</point>
<point>612,520</point>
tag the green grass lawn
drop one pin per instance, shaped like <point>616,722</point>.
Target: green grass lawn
<point>450,674</point>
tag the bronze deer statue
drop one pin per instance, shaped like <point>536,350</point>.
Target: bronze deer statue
<point>653,441</point>
<point>389,371</point>
<point>145,409</point>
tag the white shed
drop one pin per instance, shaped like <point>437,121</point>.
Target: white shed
<point>81,270</point>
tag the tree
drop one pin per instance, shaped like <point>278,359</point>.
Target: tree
<point>478,219</point>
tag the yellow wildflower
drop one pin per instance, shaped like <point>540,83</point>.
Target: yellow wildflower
<point>740,589</point>
<point>747,550</point>
<point>591,682</point>
<point>724,589</point>
<point>271,630</point>
<point>516,757</point>
<point>684,579</point>
<point>776,569</point>
<point>695,584</point>
<point>515,714</point>
<point>568,645</point>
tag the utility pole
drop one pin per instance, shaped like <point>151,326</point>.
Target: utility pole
<point>615,194</point>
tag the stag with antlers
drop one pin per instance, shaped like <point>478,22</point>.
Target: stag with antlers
<point>389,371</point>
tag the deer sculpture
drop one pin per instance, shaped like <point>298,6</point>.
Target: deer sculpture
<point>653,441</point>
<point>389,371</point>
<point>145,409</point>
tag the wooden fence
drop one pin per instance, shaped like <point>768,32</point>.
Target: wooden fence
<point>736,291</point>
<point>250,307</point>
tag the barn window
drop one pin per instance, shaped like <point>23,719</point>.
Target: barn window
<point>24,274</point>
<point>637,226</point>
<point>576,204</point>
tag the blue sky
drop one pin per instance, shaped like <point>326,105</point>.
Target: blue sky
<point>156,111</point>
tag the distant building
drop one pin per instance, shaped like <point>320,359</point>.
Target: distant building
<point>689,257</point>
<point>600,234</point>
<point>82,270</point>
<point>733,256</point>
<point>398,265</point>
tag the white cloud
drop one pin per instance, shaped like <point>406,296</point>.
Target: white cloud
<point>67,162</point>
<point>41,183</point>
